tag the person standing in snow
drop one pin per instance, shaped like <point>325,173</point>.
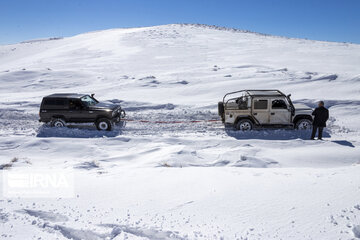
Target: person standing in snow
<point>321,115</point>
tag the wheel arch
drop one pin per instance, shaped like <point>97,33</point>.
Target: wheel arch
<point>302,116</point>
<point>58,116</point>
<point>238,118</point>
<point>102,116</point>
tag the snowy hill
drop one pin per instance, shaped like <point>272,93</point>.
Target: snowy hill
<point>188,180</point>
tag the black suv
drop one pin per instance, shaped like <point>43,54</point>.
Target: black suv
<point>61,108</point>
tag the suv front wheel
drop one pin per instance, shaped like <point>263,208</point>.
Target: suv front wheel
<point>244,125</point>
<point>303,124</point>
<point>103,124</point>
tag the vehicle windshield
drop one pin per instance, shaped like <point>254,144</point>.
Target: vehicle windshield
<point>290,104</point>
<point>243,102</point>
<point>88,101</point>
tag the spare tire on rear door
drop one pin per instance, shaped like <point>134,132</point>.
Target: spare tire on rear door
<point>221,110</point>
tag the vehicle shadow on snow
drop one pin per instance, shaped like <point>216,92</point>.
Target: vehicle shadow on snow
<point>77,131</point>
<point>272,134</point>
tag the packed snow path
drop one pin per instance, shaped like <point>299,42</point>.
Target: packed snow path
<point>191,180</point>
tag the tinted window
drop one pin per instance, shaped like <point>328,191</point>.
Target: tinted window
<point>54,102</point>
<point>75,104</point>
<point>278,104</point>
<point>260,104</point>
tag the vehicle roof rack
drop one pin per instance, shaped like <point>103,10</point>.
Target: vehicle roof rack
<point>257,92</point>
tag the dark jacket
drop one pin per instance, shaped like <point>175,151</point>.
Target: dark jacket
<point>321,115</point>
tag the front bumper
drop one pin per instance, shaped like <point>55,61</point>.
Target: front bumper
<point>121,114</point>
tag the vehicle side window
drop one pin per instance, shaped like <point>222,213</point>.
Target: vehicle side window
<point>88,101</point>
<point>242,103</point>
<point>261,104</point>
<point>278,104</point>
<point>54,102</point>
<point>75,104</point>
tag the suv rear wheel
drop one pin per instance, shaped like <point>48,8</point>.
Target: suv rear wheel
<point>103,124</point>
<point>244,125</point>
<point>303,124</point>
<point>58,122</point>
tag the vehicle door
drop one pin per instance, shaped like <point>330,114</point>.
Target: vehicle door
<point>260,110</point>
<point>89,112</point>
<point>280,112</point>
<point>76,111</point>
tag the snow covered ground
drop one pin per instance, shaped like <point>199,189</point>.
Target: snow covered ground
<point>181,180</point>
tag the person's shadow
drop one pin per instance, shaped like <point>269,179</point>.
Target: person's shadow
<point>344,143</point>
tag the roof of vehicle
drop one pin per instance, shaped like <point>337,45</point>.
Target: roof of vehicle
<point>66,95</point>
<point>258,93</point>
<point>265,93</point>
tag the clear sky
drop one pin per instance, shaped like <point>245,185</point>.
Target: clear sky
<point>328,20</point>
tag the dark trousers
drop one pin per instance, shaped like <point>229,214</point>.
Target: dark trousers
<point>314,130</point>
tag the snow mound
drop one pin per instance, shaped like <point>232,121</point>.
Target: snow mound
<point>49,216</point>
<point>356,231</point>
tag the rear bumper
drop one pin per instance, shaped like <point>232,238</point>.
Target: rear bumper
<point>44,120</point>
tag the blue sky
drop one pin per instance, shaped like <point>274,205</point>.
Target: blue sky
<point>313,19</point>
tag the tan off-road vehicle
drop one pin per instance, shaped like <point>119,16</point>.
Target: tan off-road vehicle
<point>248,109</point>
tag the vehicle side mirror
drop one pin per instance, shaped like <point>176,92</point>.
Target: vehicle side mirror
<point>92,95</point>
